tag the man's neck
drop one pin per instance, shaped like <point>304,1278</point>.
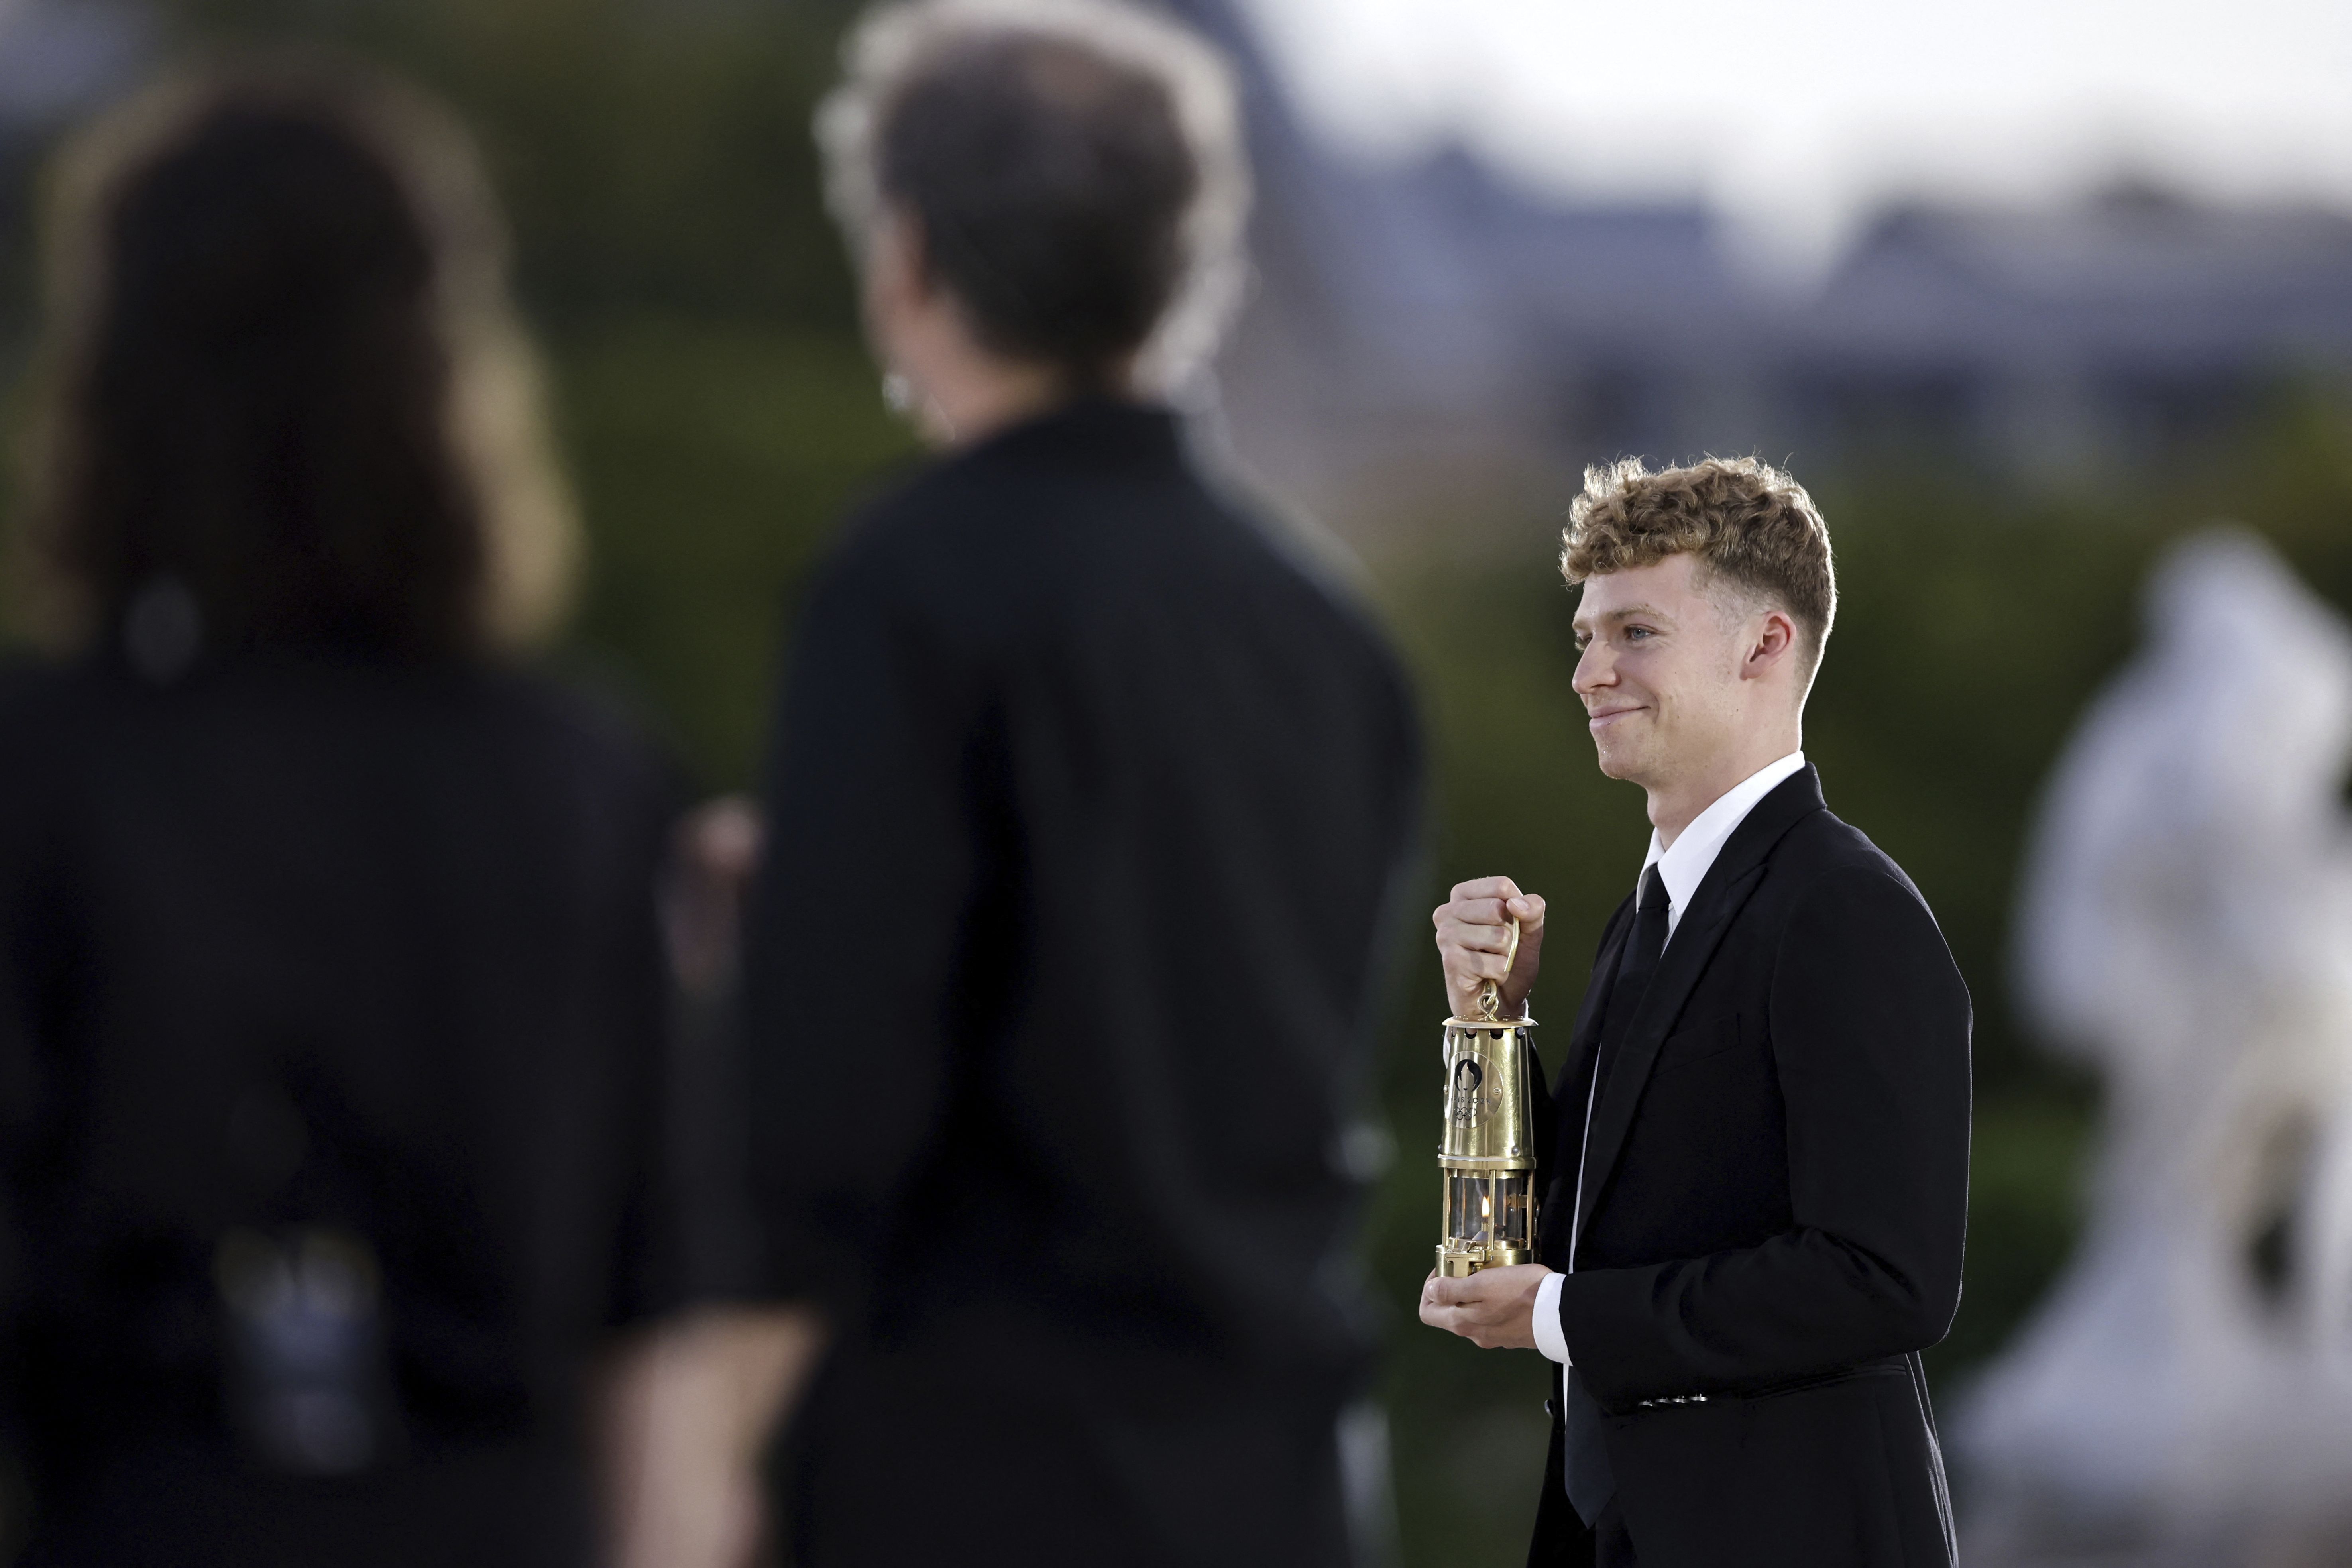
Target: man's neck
<point>1676,805</point>
<point>971,394</point>
<point>976,401</point>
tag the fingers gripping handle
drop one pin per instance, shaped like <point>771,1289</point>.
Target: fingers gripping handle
<point>1490,993</point>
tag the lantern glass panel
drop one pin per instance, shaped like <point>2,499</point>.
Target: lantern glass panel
<point>1493,1209</point>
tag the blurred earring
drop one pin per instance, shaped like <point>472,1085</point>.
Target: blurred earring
<point>897,392</point>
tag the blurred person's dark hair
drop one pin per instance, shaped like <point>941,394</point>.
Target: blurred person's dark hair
<point>283,398</point>
<point>1073,167</point>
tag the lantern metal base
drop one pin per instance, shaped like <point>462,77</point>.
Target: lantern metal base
<point>1461,1265</point>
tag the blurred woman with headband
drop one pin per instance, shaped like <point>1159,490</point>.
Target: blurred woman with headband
<point>331,989</point>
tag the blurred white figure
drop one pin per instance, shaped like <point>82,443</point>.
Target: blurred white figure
<point>2186,1394</point>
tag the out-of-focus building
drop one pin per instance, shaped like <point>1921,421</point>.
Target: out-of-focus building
<point>1430,343</point>
<point>2056,345</point>
<point>57,55</point>
<point>1434,350</point>
<point>59,59</point>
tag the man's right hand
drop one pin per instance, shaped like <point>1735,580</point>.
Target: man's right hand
<point>1473,932</point>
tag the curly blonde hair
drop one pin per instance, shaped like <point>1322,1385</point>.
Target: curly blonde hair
<point>1750,525</point>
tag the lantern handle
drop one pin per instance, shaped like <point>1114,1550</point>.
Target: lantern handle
<point>1490,993</point>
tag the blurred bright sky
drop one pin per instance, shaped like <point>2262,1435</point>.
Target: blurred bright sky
<point>1797,115</point>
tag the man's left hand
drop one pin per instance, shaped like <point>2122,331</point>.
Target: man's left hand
<point>1493,1309</point>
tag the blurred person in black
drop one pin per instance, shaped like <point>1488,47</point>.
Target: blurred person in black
<point>1089,799</point>
<point>332,991</point>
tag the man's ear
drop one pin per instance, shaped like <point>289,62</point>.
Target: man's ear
<point>1774,643</point>
<point>898,274</point>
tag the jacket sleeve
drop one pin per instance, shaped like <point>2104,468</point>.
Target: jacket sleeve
<point>856,929</point>
<point>1869,1022</point>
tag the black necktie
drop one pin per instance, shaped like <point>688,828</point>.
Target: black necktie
<point>1636,962</point>
<point>1590,1482</point>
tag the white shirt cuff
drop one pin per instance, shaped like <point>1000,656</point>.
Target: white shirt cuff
<point>1548,1338</point>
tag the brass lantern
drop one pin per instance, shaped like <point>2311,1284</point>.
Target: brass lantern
<point>1488,1155</point>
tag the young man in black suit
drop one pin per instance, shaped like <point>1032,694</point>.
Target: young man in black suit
<point>1753,1210</point>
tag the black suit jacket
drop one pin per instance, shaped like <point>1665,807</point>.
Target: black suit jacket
<point>1087,805</point>
<point>1775,1188</point>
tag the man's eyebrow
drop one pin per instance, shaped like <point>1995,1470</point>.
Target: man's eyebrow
<point>1625,614</point>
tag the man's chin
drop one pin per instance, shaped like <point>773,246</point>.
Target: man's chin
<point>1618,762</point>
<point>1623,742</point>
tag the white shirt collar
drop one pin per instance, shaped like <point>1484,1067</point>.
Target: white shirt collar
<point>1685,867</point>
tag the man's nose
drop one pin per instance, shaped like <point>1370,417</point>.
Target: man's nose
<point>1594,667</point>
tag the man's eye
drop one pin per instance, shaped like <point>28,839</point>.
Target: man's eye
<point>1636,634</point>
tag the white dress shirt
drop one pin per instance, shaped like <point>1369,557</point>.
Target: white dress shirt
<point>1682,867</point>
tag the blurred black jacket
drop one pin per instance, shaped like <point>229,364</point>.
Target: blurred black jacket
<point>1774,1198</point>
<point>1089,810</point>
<point>312,944</point>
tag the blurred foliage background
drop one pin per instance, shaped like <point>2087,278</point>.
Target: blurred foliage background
<point>719,412</point>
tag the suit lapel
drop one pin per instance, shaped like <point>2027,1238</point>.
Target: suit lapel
<point>1723,891</point>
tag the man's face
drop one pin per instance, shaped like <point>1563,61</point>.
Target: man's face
<point>1659,671</point>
